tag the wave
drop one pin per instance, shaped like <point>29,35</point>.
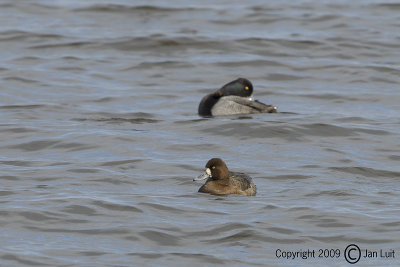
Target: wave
<point>17,35</point>
<point>368,172</point>
<point>117,8</point>
<point>289,132</point>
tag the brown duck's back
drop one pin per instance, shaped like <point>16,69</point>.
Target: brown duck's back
<point>243,183</point>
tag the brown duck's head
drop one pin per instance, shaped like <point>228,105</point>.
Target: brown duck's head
<point>215,169</point>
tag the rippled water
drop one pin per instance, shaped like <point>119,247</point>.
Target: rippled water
<point>100,136</point>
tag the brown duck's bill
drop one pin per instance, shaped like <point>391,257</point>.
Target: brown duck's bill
<point>205,175</point>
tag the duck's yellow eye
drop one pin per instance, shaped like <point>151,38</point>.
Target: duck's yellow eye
<point>213,167</point>
<point>246,88</point>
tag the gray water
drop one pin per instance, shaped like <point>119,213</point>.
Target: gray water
<point>100,137</point>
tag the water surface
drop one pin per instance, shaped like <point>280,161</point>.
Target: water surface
<point>100,136</point>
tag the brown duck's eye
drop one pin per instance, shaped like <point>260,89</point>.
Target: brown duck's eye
<point>246,88</point>
<point>213,167</point>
